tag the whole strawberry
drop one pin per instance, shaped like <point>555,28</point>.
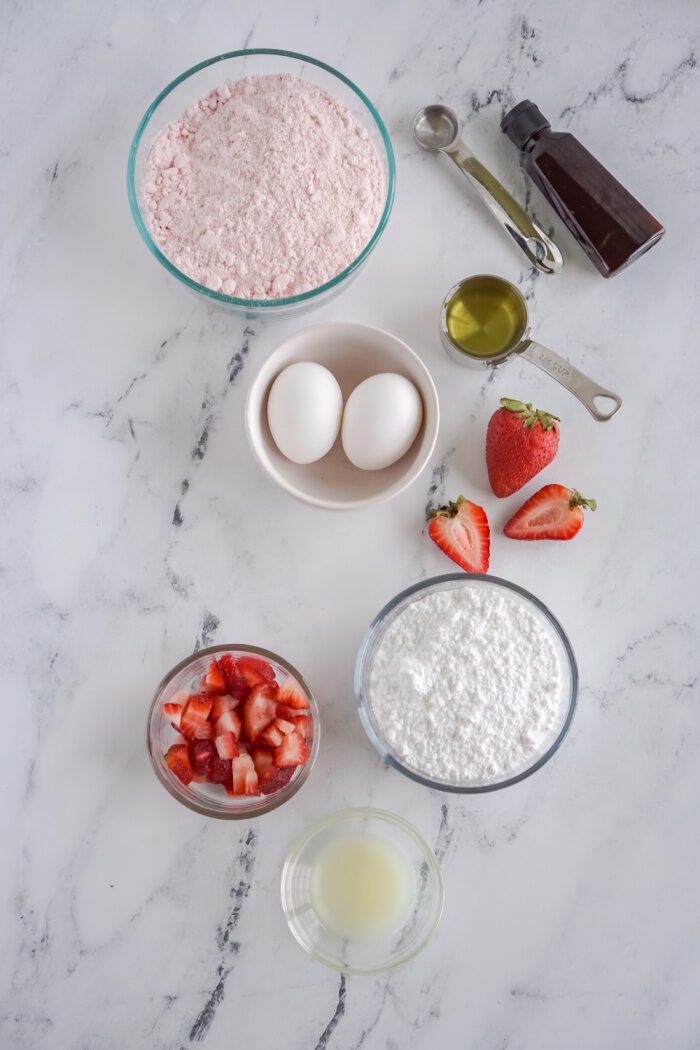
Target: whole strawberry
<point>520,442</point>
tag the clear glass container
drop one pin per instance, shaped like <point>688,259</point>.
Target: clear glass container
<point>193,84</point>
<point>208,799</point>
<point>362,955</point>
<point>375,633</point>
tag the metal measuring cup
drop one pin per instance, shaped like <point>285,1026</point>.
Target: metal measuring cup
<point>436,129</point>
<point>522,345</point>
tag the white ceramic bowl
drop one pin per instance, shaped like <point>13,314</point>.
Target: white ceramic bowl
<point>352,352</point>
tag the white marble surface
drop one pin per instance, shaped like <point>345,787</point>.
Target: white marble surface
<point>135,526</point>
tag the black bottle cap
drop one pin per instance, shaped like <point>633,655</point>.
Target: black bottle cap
<point>522,122</point>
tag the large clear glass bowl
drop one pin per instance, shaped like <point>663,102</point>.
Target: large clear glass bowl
<point>196,82</point>
<point>363,955</point>
<point>211,800</point>
<point>373,638</point>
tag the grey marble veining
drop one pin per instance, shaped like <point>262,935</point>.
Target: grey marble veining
<point>137,528</point>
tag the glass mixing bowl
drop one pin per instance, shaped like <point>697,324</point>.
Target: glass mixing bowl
<point>196,82</point>
<point>373,638</point>
<point>211,800</point>
<point>363,955</point>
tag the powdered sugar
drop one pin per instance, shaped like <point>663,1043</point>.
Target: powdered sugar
<point>465,684</point>
<point>265,188</point>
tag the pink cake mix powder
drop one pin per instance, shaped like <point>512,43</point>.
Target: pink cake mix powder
<point>265,188</point>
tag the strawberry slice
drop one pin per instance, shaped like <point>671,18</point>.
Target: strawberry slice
<point>220,772</point>
<point>194,715</point>
<point>276,779</point>
<point>291,694</point>
<point>174,713</point>
<point>245,779</point>
<point>178,760</point>
<point>228,722</point>
<point>256,671</point>
<point>290,712</point>
<point>202,753</point>
<point>461,531</point>
<point>220,704</point>
<point>262,760</point>
<point>204,732</point>
<point>226,745</point>
<point>284,726</point>
<point>302,724</point>
<point>213,682</point>
<point>258,711</point>
<point>553,513</point>
<point>235,682</point>
<point>271,736</point>
<point>292,751</point>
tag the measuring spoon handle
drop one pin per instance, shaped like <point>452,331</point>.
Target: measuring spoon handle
<point>541,251</point>
<point>580,385</point>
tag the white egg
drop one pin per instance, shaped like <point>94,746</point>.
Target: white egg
<point>304,409</point>
<point>381,421</point>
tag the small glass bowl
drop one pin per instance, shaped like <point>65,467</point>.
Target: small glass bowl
<point>362,956</point>
<point>196,82</point>
<point>452,581</point>
<point>211,800</point>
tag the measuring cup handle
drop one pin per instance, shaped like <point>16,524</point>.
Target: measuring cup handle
<point>580,385</point>
<point>540,249</point>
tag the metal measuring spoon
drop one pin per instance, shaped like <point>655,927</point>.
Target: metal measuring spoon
<point>436,129</point>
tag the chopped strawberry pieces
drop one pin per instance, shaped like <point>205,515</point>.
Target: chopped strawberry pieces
<point>202,753</point>
<point>241,730</point>
<point>174,713</point>
<point>255,671</point>
<point>228,722</point>
<point>226,745</point>
<point>235,682</point>
<point>194,714</point>
<point>222,703</point>
<point>213,681</point>
<point>272,736</point>
<point>178,760</point>
<point>258,711</point>
<point>292,751</point>
<point>291,694</point>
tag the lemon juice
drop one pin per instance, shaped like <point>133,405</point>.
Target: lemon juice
<point>362,887</point>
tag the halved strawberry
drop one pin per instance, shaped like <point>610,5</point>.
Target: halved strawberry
<point>226,745</point>
<point>235,682</point>
<point>292,751</point>
<point>174,713</point>
<point>461,531</point>
<point>228,722</point>
<point>255,670</point>
<point>220,704</point>
<point>258,711</point>
<point>245,779</point>
<point>178,760</point>
<point>271,736</point>
<point>262,760</point>
<point>202,753</point>
<point>276,778</point>
<point>213,682</point>
<point>194,714</point>
<point>553,513</point>
<point>302,724</point>
<point>284,726</point>
<point>291,694</point>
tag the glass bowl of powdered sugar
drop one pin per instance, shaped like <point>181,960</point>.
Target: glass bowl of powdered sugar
<point>262,180</point>
<point>466,683</point>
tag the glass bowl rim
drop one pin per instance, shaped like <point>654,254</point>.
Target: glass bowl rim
<point>277,798</point>
<point>338,817</point>
<point>231,300</point>
<point>363,704</point>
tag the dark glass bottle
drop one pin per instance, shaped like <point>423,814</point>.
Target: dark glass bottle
<point>609,223</point>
